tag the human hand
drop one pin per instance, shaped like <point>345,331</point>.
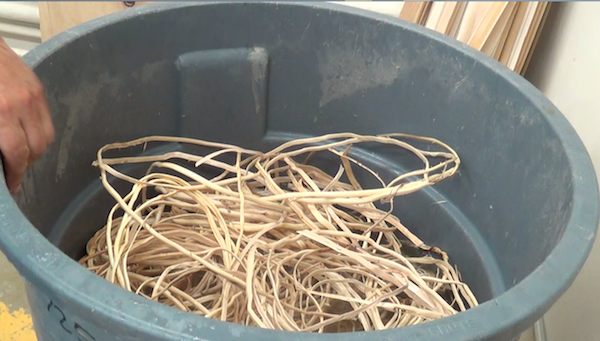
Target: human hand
<point>26,128</point>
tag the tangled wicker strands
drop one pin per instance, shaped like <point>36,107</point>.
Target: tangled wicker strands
<point>272,242</point>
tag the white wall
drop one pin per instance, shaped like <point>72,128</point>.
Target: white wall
<point>19,25</point>
<point>566,67</point>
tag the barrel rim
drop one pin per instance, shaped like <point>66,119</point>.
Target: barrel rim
<point>47,268</point>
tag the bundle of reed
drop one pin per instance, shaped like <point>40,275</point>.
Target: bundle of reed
<point>271,240</point>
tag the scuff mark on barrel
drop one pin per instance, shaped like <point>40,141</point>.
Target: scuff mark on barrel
<point>346,70</point>
<point>81,103</point>
<point>258,60</point>
<point>63,152</point>
<point>150,70</point>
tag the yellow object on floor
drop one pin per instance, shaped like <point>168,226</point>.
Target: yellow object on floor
<point>15,325</point>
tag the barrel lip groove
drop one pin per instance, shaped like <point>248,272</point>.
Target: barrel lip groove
<point>512,312</point>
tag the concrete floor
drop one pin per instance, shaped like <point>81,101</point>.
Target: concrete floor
<point>15,319</point>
